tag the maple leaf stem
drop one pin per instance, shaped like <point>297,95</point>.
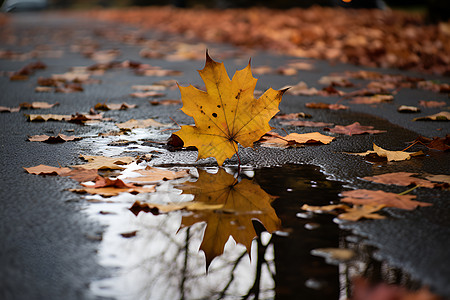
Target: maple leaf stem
<point>416,142</point>
<point>410,190</point>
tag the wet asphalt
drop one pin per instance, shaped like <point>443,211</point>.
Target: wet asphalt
<point>48,246</point>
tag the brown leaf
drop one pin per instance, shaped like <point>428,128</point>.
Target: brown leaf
<point>368,197</point>
<point>47,170</point>
<point>43,89</point>
<point>47,117</point>
<point>292,116</point>
<point>354,128</point>
<point>400,178</point>
<point>431,103</point>
<point>114,191</point>
<point>372,99</point>
<point>294,139</point>
<point>165,102</point>
<point>147,94</point>
<point>301,88</point>
<point>152,87</point>
<point>442,116</point>
<point>101,182</point>
<point>7,109</point>
<point>324,208</point>
<point>436,143</point>
<point>358,212</point>
<point>336,81</point>
<point>408,109</point>
<point>321,105</point>
<point>37,105</point>
<point>334,255</point>
<point>131,124</point>
<point>151,175</point>
<point>82,175</point>
<point>60,138</point>
<point>102,162</point>
<point>306,123</point>
<point>390,155</point>
<point>114,106</point>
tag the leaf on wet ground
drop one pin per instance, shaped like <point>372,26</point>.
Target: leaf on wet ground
<point>165,102</point>
<point>321,105</point>
<point>432,103</point>
<point>292,116</point>
<point>37,105</point>
<point>82,175</point>
<point>375,99</point>
<point>441,116</point>
<point>9,109</point>
<point>369,197</point>
<point>114,191</point>
<point>150,87</point>
<point>103,162</point>
<point>114,106</point>
<point>131,124</point>
<point>60,138</point>
<point>302,89</point>
<point>151,175</point>
<point>439,178</point>
<point>400,178</point>
<point>324,208</point>
<point>227,114</point>
<point>436,143</point>
<point>408,109</point>
<point>47,170</point>
<point>358,212</point>
<point>335,80</point>
<point>147,94</point>
<point>101,181</point>
<point>355,128</point>
<point>305,123</point>
<point>334,255</point>
<point>47,117</point>
<point>295,139</point>
<point>388,154</point>
<point>228,208</point>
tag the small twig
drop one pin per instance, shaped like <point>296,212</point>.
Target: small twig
<point>411,145</point>
<point>410,190</point>
<point>175,122</point>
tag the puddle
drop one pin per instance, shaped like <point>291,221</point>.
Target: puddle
<point>216,234</point>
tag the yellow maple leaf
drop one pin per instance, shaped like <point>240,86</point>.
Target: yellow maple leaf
<point>227,113</point>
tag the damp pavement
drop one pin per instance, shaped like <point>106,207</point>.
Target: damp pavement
<point>49,246</point>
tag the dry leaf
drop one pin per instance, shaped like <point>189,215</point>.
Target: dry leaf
<point>358,212</point>
<point>165,102</point>
<point>292,116</point>
<point>442,116</point>
<point>439,178</point>
<point>431,103</point>
<point>321,105</point>
<point>336,81</point>
<point>152,87</point>
<point>82,175</point>
<point>324,208</point>
<point>400,178</point>
<point>354,128</point>
<point>301,88</point>
<point>436,143</point>
<point>102,162</point>
<point>306,123</point>
<point>101,182</point>
<point>294,139</point>
<point>114,106</point>
<point>408,109</point>
<point>390,155</point>
<point>227,113</point>
<point>47,117</point>
<point>47,170</point>
<point>147,94</point>
<point>113,191</point>
<point>368,197</point>
<point>37,105</point>
<point>151,175</point>
<point>334,255</point>
<point>375,99</point>
<point>7,109</point>
<point>131,124</point>
<point>43,89</point>
<point>60,138</point>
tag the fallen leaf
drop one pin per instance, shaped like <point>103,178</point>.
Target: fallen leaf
<point>151,175</point>
<point>60,138</point>
<point>287,71</point>
<point>37,105</point>
<point>354,128</point>
<point>324,208</point>
<point>321,105</point>
<point>336,81</point>
<point>165,102</point>
<point>390,155</point>
<point>436,143</point>
<point>368,197</point>
<point>102,162</point>
<point>114,106</point>
<point>372,99</point>
<point>101,182</point>
<point>47,170</point>
<point>131,124</point>
<point>8,109</point>
<point>227,113</point>
<point>44,89</point>
<point>442,116</point>
<point>301,88</point>
<point>292,116</point>
<point>306,123</point>
<point>129,234</point>
<point>152,87</point>
<point>47,117</point>
<point>90,117</point>
<point>114,191</point>
<point>400,178</point>
<point>432,103</point>
<point>358,212</point>
<point>82,175</point>
<point>408,109</point>
<point>295,139</point>
<point>334,255</point>
<point>439,178</point>
<point>147,94</point>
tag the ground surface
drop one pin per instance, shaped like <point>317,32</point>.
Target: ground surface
<point>48,248</point>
